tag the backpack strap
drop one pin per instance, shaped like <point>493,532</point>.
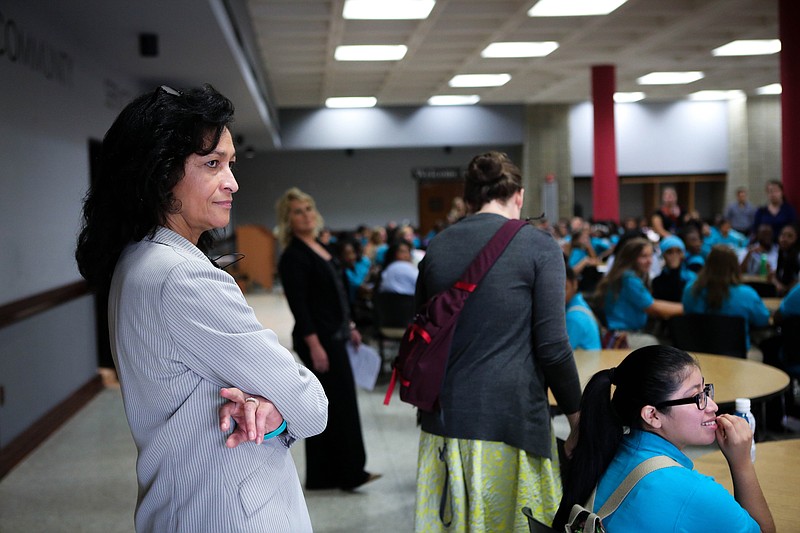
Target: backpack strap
<point>642,469</point>
<point>489,254</point>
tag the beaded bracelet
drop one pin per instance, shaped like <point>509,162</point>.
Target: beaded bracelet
<point>277,431</point>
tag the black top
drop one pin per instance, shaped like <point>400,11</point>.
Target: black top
<point>314,290</point>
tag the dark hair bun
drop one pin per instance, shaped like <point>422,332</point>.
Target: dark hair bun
<point>486,169</point>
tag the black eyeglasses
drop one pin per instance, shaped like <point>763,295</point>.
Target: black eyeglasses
<point>700,400</point>
<point>224,261</point>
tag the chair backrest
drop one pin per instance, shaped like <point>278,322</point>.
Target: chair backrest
<point>393,310</point>
<point>716,334</point>
<point>764,289</point>
<point>790,342</point>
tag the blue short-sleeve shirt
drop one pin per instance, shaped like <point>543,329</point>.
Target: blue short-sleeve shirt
<point>626,311</point>
<point>582,328</point>
<point>673,499</point>
<point>790,305</point>
<point>742,301</point>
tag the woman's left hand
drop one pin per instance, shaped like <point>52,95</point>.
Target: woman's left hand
<point>355,337</point>
<point>253,419</point>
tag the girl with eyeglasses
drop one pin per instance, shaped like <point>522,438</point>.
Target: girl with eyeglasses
<point>659,406</point>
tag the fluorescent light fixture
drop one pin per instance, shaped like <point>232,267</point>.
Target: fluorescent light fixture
<point>624,98</point>
<point>479,80</point>
<point>670,78</point>
<point>520,49</point>
<point>717,95</point>
<point>454,99</point>
<point>573,8</point>
<point>392,52</point>
<point>749,47</point>
<point>772,88</point>
<point>387,9</point>
<point>351,101</point>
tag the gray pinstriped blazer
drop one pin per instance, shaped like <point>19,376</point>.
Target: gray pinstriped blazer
<point>181,330</point>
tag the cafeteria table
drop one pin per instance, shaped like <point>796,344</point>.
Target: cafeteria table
<point>778,473</point>
<point>732,377</point>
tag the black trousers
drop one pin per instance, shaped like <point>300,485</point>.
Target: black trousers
<point>336,457</point>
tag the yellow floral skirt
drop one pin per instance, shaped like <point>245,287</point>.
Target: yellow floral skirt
<point>487,485</point>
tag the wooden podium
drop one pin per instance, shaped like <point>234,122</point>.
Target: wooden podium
<point>257,244</point>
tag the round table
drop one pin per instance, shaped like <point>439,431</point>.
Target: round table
<point>732,377</point>
<point>778,473</point>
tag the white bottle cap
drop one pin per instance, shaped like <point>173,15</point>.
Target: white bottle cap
<point>742,405</point>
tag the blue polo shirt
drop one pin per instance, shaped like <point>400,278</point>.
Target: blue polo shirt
<point>742,301</point>
<point>790,305</point>
<point>582,327</point>
<point>626,311</point>
<point>673,499</point>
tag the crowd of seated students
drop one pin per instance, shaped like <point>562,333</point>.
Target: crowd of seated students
<point>380,258</point>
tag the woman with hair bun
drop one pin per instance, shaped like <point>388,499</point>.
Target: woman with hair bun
<point>489,450</point>
<point>659,406</point>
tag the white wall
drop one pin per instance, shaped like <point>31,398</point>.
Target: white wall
<point>684,137</point>
<point>401,127</point>
<point>367,187</point>
<point>53,99</point>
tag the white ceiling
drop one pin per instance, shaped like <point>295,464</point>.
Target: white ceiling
<point>297,39</point>
<point>292,43</point>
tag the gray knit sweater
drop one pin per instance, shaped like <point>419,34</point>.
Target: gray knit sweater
<point>510,342</point>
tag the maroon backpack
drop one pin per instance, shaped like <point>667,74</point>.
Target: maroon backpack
<point>422,360</point>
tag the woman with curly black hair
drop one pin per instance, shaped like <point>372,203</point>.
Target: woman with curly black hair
<point>182,334</point>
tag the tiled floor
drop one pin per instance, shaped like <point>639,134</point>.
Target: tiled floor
<point>82,479</point>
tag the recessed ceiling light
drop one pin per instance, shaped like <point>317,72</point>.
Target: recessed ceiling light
<point>749,47</point>
<point>717,95</point>
<point>387,9</point>
<point>519,49</point>
<point>454,99</point>
<point>772,88</point>
<point>670,78</point>
<point>479,80</point>
<point>622,98</point>
<point>393,52</point>
<point>351,101</point>
<point>573,8</point>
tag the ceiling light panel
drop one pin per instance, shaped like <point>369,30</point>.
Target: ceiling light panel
<point>454,99</point>
<point>670,78</point>
<point>520,49</point>
<point>479,80</point>
<point>387,9</point>
<point>749,47</point>
<point>573,8</point>
<point>340,102</point>
<point>626,98</point>
<point>716,95</point>
<point>772,88</point>
<point>394,52</point>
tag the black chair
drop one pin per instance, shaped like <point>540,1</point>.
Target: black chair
<point>764,289</point>
<point>790,358</point>
<point>393,313</point>
<point>715,334</point>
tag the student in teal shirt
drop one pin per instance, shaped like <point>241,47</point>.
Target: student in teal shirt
<point>582,327</point>
<point>661,405</point>
<point>717,290</point>
<point>625,295</point>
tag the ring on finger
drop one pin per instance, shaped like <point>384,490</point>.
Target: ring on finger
<point>251,399</point>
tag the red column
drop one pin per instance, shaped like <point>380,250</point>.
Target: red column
<point>788,15</point>
<point>605,185</point>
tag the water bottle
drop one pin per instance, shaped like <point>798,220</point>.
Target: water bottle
<point>743,410</point>
<point>763,269</point>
